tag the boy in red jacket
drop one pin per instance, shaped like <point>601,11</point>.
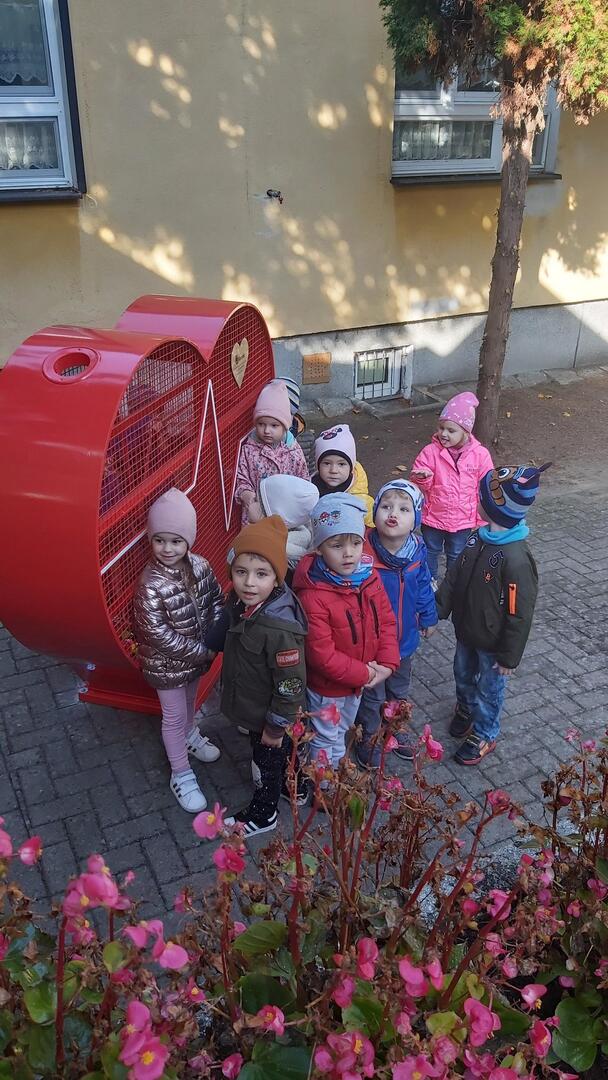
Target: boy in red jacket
<point>352,635</point>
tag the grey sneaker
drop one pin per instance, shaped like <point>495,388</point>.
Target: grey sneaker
<point>187,792</point>
<point>200,747</point>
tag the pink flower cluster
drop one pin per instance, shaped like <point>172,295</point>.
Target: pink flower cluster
<point>349,1056</point>
<point>168,955</point>
<point>142,1050</point>
<point>211,822</point>
<point>29,851</point>
<point>415,978</point>
<point>434,749</point>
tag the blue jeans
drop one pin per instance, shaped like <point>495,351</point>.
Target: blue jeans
<point>327,736</point>
<point>395,688</point>
<point>436,539</point>
<point>480,689</point>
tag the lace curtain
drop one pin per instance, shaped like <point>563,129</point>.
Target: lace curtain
<point>28,145</point>
<point>22,52</point>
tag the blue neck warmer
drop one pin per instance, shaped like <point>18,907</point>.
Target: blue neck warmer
<point>509,536</point>
<point>321,572</point>
<point>398,559</point>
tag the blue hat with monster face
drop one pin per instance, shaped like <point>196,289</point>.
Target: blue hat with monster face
<point>507,493</point>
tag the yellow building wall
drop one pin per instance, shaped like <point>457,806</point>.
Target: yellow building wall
<point>190,111</point>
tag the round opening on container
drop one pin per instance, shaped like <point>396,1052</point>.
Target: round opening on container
<point>69,365</point>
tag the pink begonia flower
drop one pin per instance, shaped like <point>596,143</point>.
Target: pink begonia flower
<point>532,993</point>
<point>193,992</point>
<point>228,860</point>
<point>367,957</point>
<point>169,955</point>
<point>494,945</point>
<point>572,735</point>
<point>341,1054</point>
<point>30,850</point>
<point>137,1018</point>
<point>211,822</point>
<point>80,931</point>
<point>567,1076</point>
<point>231,1066</point>
<point>500,899</point>
<point>415,1068</point>
<point>4,944</point>
<point>567,981</point>
<point>482,1021</point>
<point>128,879</point>
<point>433,748</point>
<point>179,904</point>
<point>509,968</point>
<point>540,1037</point>
<point>499,800</point>
<point>343,993</point>
<point>328,714</point>
<point>391,744</point>
<point>391,786</point>
<point>137,934</point>
<point>416,984</point>
<point>599,890</point>
<point>574,908</point>
<point>470,908</point>
<point>504,1074</point>
<point>589,744</point>
<point>89,891</point>
<point>445,1050</point>
<point>322,759</point>
<point>237,928</point>
<point>146,1055</point>
<point>391,709</point>
<point>403,1024</point>
<point>435,974</point>
<point>272,1019</point>
<point>478,1065</point>
<point>6,844</point>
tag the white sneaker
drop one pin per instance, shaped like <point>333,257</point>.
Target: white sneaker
<point>434,584</point>
<point>187,792</point>
<point>199,746</point>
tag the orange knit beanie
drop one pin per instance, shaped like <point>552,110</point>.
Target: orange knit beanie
<point>266,538</point>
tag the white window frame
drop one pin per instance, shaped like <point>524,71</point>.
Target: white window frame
<point>25,103</point>
<point>450,103</point>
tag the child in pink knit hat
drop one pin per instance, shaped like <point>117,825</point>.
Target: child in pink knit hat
<point>448,471</point>
<point>268,450</point>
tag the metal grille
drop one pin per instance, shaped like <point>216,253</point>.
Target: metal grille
<point>382,373</point>
<point>154,446</point>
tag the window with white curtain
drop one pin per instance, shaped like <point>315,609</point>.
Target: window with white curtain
<point>451,130</point>
<point>39,134</point>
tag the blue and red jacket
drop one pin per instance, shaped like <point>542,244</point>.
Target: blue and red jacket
<point>410,594</point>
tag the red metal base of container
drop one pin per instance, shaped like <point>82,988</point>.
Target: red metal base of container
<point>94,426</point>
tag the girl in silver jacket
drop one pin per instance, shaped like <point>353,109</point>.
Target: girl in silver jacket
<point>178,598</point>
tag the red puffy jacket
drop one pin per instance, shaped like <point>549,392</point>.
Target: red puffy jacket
<point>347,627</point>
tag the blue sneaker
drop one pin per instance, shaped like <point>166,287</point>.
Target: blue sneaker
<point>367,756</point>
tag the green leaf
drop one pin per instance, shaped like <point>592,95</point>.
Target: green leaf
<point>41,1048</point>
<point>112,1067</point>
<point>314,939</point>
<point>601,869</point>
<point>94,1076</point>
<point>41,1002</point>
<point>259,990</point>
<point>575,1021</point>
<point>356,809</point>
<point>77,1031</point>
<point>363,1014</point>
<point>589,998</point>
<point>114,956</point>
<point>281,965</point>
<point>261,938</point>
<point>271,1061</point>
<point>513,1022</point>
<point>580,1055</point>
<point>259,910</point>
<point>6,1028</point>
<point>32,975</point>
<point>442,1023</point>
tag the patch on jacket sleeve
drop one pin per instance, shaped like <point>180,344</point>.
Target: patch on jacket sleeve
<point>288,658</point>
<point>290,688</point>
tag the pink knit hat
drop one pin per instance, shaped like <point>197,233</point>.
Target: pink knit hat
<point>336,440</point>
<point>461,410</point>
<point>173,513</point>
<point>274,401</point>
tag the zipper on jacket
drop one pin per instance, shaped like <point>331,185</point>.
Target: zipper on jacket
<point>376,620</point>
<point>352,627</point>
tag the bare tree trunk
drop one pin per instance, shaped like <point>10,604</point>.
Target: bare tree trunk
<point>518,136</point>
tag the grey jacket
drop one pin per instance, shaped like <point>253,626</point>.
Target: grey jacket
<point>173,609</point>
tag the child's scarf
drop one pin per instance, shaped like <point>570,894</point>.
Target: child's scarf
<point>321,572</point>
<point>506,536</point>
<point>398,559</point>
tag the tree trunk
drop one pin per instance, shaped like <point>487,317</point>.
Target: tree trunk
<point>518,136</point>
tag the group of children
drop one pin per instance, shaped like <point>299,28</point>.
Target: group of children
<point>331,591</point>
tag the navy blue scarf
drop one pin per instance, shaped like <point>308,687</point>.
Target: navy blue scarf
<point>396,560</point>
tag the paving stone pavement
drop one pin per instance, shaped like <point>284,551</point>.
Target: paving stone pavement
<point>87,778</point>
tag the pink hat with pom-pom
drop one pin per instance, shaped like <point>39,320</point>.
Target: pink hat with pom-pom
<point>461,410</point>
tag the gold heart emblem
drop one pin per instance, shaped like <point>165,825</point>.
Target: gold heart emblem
<point>238,360</point>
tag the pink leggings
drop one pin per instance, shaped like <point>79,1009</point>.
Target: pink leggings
<point>178,707</point>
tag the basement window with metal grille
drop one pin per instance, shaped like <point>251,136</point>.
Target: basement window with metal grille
<point>383,373</point>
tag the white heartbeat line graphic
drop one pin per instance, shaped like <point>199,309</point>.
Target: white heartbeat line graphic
<point>228,505</point>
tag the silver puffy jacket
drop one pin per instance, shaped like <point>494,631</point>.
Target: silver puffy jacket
<point>173,609</point>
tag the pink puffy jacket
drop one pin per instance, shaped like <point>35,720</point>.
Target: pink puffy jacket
<point>451,493</point>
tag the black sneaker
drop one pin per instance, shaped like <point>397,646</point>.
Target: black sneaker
<point>367,756</point>
<point>474,750</point>
<point>461,723</point>
<point>253,826</point>
<point>303,786</point>
<point>406,750</point>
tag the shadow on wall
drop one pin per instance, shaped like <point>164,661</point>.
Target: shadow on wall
<point>178,197</point>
